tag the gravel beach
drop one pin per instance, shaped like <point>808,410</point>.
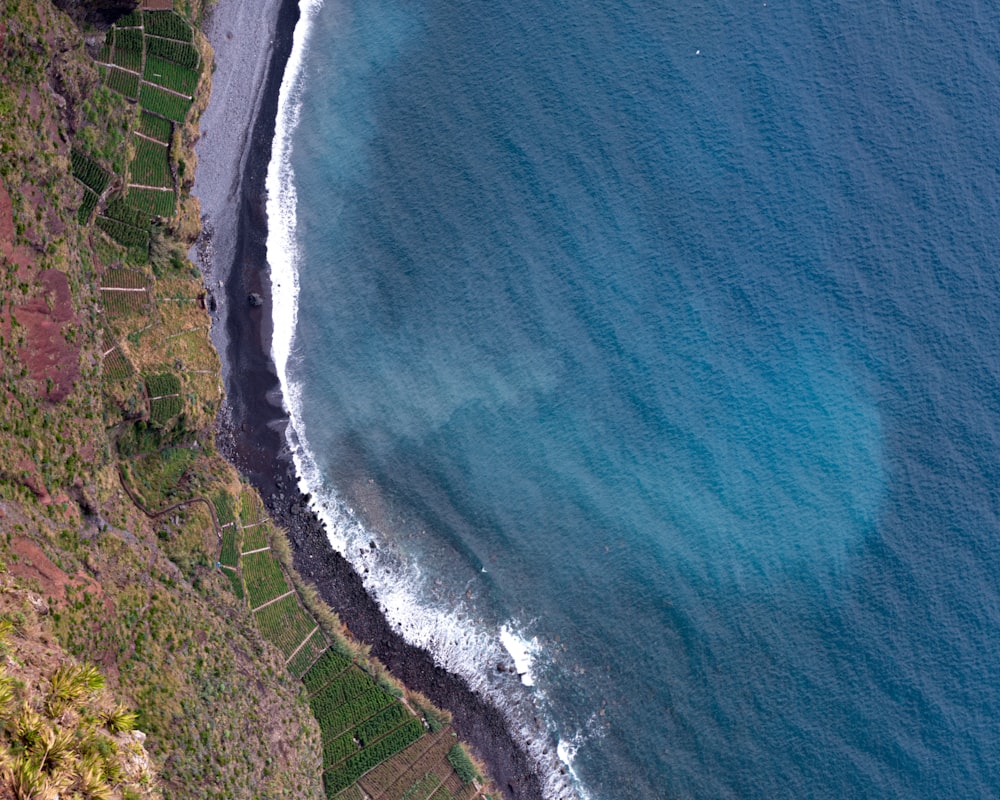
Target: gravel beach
<point>252,41</point>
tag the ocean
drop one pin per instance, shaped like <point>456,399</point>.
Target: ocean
<point>642,357</point>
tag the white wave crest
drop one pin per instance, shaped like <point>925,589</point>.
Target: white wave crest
<point>459,641</point>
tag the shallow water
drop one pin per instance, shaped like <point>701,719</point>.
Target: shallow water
<point>653,348</point>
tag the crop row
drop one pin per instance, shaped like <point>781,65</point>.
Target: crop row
<point>154,202</point>
<point>335,719</point>
<point>89,172</point>
<point>154,99</point>
<point>131,20</point>
<point>237,584</point>
<point>263,578</point>
<point>285,624</point>
<point>150,166</point>
<point>116,366</point>
<point>180,53</point>
<point>352,793</point>
<point>223,502</point>
<point>251,509</point>
<point>442,794</point>
<point>422,788</point>
<point>349,684</point>
<point>104,54</point>
<point>87,207</point>
<point>128,39</point>
<point>162,383</point>
<point>173,76</point>
<point>391,780</point>
<point>124,279</point>
<point>122,304</point>
<point>118,80</point>
<point>167,23</point>
<point>155,127</point>
<point>382,723</point>
<point>357,765</point>
<point>255,538</point>
<point>165,409</point>
<point>230,553</point>
<point>123,212</point>
<point>125,235</point>
<point>328,667</point>
<point>127,59</point>
<point>308,654</point>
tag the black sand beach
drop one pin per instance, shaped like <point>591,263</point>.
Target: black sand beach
<point>252,426</point>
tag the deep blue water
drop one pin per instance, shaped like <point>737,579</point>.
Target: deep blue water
<point>666,334</point>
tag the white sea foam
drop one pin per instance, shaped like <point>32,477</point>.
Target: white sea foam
<point>522,651</point>
<point>460,641</point>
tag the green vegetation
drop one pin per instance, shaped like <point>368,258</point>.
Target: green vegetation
<point>462,764</point>
<point>126,235</point>
<point>255,538</point>
<point>285,624</point>
<point>162,383</point>
<point>167,24</point>
<point>151,165</point>
<point>154,202</point>
<point>172,76</point>
<point>155,127</point>
<point>328,667</point>
<point>123,212</point>
<point>128,39</point>
<point>128,59</point>
<point>163,103</point>
<point>86,207</point>
<point>125,83</point>
<point>89,172</point>
<point>263,578</point>
<point>180,53</point>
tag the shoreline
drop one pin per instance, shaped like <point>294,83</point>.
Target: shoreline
<point>253,423</point>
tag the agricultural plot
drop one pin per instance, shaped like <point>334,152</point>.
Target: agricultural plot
<point>128,39</point>
<point>116,366</point>
<point>123,304</point>
<point>157,476</point>
<point>337,715</point>
<point>155,127</point>
<point>164,409</point>
<point>263,578</point>
<point>397,778</point>
<point>326,668</point>
<point>104,54</point>
<point>154,202</point>
<point>131,20</point>
<point>251,509</point>
<point>309,652</point>
<point>230,553</point>
<point>151,165</point>
<point>235,582</point>
<point>255,538</point>
<point>168,24</point>
<point>342,776</point>
<point>156,100</point>
<point>224,512</point>
<point>124,212</point>
<point>125,279</point>
<point>171,75</point>
<point>352,793</point>
<point>128,59</point>
<point>86,210</point>
<point>180,53</point>
<point>163,383</point>
<point>118,80</point>
<point>124,234</point>
<point>89,172</point>
<point>285,624</point>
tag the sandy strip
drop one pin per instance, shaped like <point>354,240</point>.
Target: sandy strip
<point>242,34</point>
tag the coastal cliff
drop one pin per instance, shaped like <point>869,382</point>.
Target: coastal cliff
<point>157,563</point>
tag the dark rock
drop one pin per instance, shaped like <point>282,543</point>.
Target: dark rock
<point>255,300</point>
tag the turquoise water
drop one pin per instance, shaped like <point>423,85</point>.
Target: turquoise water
<point>654,350</point>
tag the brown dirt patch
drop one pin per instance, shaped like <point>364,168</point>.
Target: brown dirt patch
<point>6,224</point>
<point>52,362</point>
<point>34,564</point>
